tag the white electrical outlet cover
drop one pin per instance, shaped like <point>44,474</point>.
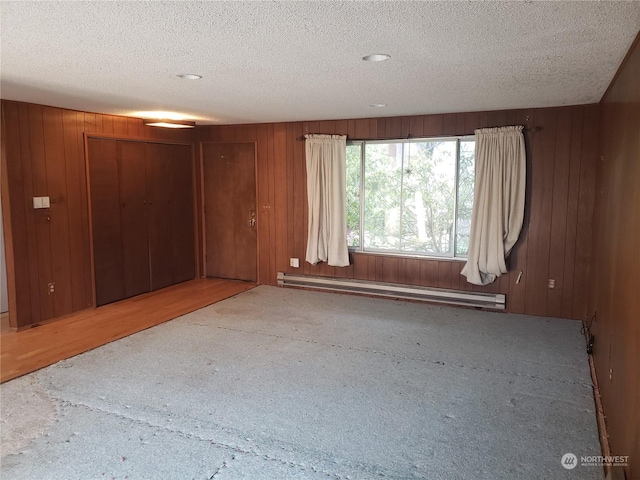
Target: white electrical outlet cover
<point>37,202</point>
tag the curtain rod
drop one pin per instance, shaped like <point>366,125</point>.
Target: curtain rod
<point>526,129</point>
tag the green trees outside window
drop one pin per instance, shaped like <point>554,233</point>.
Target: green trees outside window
<point>410,196</point>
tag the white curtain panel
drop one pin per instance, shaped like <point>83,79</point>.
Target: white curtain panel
<point>498,202</point>
<point>327,195</point>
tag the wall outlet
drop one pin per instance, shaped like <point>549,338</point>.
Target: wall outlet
<point>552,284</point>
<point>294,262</point>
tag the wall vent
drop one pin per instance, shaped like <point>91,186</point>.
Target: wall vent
<point>494,301</point>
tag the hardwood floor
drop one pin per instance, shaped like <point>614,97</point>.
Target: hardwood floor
<point>29,350</point>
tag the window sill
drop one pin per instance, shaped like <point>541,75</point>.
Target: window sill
<point>353,251</point>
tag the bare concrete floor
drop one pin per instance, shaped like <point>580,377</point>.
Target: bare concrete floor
<point>277,383</point>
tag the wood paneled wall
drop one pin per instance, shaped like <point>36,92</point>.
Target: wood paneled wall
<point>43,155</point>
<point>616,288</point>
<point>556,240</point>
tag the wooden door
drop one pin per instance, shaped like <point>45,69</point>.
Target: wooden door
<point>171,214</point>
<point>119,219</point>
<point>230,210</point>
<point>142,207</point>
<point>105,215</point>
<point>159,208</point>
<point>133,218</point>
<point>182,213</point>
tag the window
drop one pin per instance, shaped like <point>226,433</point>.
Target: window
<point>410,197</point>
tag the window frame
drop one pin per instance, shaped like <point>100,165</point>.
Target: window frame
<point>402,253</point>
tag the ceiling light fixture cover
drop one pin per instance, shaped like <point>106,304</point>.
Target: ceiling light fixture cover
<point>377,105</point>
<point>166,123</point>
<point>190,76</point>
<point>376,57</point>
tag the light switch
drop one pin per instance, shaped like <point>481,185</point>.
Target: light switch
<point>45,202</point>
<point>37,202</point>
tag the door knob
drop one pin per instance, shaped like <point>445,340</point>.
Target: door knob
<point>252,222</point>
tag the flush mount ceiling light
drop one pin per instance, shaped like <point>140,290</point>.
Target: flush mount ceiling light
<point>190,76</point>
<point>376,57</point>
<point>167,123</point>
<point>377,105</point>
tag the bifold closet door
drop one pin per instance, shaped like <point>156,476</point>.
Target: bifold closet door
<point>105,214</point>
<point>158,184</point>
<point>133,218</point>
<point>171,217</point>
<point>182,213</point>
<point>142,211</point>
<point>119,223</point>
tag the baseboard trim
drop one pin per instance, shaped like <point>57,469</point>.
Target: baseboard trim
<point>600,416</point>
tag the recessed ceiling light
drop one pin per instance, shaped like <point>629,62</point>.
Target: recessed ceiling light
<point>377,105</point>
<point>190,76</point>
<point>376,57</point>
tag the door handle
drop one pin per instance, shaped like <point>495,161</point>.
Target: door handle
<point>252,222</point>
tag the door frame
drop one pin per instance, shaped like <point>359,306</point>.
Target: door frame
<point>202,198</point>
<point>118,137</point>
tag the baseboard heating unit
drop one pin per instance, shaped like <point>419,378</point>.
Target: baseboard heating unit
<point>494,301</point>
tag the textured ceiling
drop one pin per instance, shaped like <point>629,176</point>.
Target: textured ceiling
<point>285,61</point>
